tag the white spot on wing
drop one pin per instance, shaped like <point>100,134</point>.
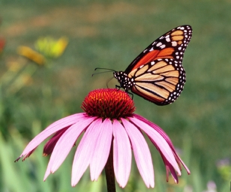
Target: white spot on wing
<point>162,46</point>
<point>174,43</point>
<point>168,39</point>
<point>159,44</point>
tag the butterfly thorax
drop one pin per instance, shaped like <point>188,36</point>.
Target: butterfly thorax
<point>125,82</point>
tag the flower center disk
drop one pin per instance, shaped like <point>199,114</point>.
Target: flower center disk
<point>108,103</point>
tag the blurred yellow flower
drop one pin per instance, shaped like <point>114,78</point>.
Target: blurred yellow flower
<point>50,47</point>
<point>31,54</point>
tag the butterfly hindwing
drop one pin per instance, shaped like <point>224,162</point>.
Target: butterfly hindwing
<point>160,81</point>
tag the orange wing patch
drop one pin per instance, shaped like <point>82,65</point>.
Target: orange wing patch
<point>147,58</point>
<point>177,36</point>
<point>166,68</point>
<point>132,73</point>
<point>153,89</point>
<point>157,65</point>
<point>147,94</point>
<point>142,70</point>
<point>171,74</point>
<point>149,77</point>
<point>178,33</point>
<point>155,54</point>
<point>166,85</point>
<point>172,80</point>
<point>166,53</point>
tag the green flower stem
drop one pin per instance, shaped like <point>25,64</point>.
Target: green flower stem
<point>110,176</point>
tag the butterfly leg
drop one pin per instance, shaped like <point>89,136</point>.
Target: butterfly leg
<point>118,87</point>
<point>129,93</point>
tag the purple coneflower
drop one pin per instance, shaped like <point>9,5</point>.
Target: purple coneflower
<point>111,131</point>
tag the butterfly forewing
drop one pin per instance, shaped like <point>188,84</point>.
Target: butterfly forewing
<point>170,45</point>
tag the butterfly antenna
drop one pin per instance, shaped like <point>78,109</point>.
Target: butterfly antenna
<point>97,68</point>
<point>106,71</point>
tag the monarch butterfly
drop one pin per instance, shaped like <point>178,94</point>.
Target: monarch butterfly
<point>157,74</point>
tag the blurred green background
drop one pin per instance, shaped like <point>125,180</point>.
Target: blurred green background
<point>111,34</point>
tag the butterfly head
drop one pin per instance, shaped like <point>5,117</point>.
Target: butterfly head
<point>125,81</point>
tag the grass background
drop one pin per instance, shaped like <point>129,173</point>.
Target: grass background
<point>111,34</point>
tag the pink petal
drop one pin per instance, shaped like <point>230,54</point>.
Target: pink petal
<point>156,127</point>
<point>170,168</point>
<point>102,149</point>
<point>179,160</point>
<point>160,142</point>
<point>65,144</point>
<point>54,127</point>
<point>122,156</point>
<point>85,151</point>
<point>141,153</point>
<point>159,130</point>
<point>49,146</point>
